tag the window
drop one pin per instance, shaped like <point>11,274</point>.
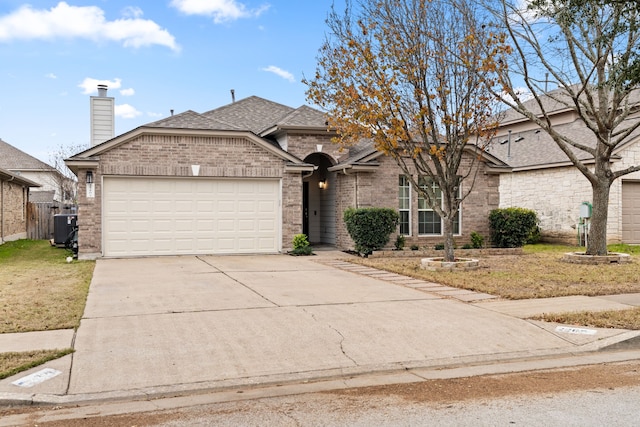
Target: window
<point>404,205</point>
<point>429,222</point>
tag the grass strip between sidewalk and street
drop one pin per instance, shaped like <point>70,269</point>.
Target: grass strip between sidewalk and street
<point>14,363</point>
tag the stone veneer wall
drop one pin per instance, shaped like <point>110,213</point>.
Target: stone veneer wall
<point>152,155</point>
<point>556,195</point>
<point>13,199</point>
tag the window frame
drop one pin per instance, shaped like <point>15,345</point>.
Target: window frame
<point>424,208</point>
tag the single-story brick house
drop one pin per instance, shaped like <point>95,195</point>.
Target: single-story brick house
<point>14,196</point>
<point>543,179</point>
<point>245,178</point>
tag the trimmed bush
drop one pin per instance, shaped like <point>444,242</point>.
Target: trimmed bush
<point>511,227</point>
<point>370,228</point>
<point>399,242</point>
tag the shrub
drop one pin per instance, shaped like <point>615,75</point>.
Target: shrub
<point>477,241</point>
<point>415,247</point>
<point>511,227</point>
<point>300,241</point>
<point>370,228</point>
<point>399,242</point>
<point>467,246</point>
<point>439,246</point>
<point>301,245</point>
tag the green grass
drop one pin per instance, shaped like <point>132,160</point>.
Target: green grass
<point>39,291</point>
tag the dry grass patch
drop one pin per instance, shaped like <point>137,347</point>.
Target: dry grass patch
<point>617,319</point>
<point>39,290</point>
<point>537,273</point>
<point>13,363</point>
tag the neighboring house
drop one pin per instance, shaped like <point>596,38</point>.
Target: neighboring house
<point>52,182</point>
<point>14,196</point>
<point>245,178</point>
<point>543,179</point>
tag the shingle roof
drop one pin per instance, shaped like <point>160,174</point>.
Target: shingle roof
<point>253,113</point>
<point>304,117</point>
<point>538,149</point>
<point>192,120</point>
<point>12,158</point>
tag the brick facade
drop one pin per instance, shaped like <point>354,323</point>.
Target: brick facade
<point>159,156</point>
<point>380,189</point>
<point>13,200</point>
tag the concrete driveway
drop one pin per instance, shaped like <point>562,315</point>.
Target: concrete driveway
<point>186,323</point>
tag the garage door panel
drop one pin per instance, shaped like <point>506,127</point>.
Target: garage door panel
<point>631,212</point>
<point>156,216</point>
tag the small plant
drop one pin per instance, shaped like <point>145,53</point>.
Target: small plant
<point>477,241</point>
<point>301,245</point>
<point>468,246</point>
<point>400,240</point>
<point>414,247</point>
<point>439,246</point>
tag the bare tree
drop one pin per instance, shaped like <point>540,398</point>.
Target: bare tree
<point>411,76</point>
<point>65,181</point>
<point>590,49</point>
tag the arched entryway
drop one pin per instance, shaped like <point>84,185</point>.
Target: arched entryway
<point>319,201</point>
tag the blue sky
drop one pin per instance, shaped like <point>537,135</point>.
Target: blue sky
<point>154,56</point>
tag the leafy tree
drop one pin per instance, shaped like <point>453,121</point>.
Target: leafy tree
<point>412,77</point>
<point>590,49</point>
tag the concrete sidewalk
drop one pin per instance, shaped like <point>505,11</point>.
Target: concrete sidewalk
<point>159,326</point>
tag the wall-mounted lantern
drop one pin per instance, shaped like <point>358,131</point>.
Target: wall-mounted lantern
<point>322,184</point>
<point>91,189</point>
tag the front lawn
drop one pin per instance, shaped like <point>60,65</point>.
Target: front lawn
<point>39,290</point>
<point>537,273</point>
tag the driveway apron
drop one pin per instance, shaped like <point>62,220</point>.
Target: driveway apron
<point>160,322</point>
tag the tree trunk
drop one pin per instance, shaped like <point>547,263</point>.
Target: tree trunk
<point>448,239</point>
<point>597,237</point>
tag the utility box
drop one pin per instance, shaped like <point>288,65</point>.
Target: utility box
<point>585,210</point>
<point>63,225</point>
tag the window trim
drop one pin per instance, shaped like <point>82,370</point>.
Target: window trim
<point>407,185</point>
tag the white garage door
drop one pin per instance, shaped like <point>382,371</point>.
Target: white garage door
<point>630,212</point>
<point>179,216</point>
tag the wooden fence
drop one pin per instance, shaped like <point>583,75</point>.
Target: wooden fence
<point>40,219</point>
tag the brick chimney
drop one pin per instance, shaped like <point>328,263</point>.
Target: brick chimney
<point>102,116</point>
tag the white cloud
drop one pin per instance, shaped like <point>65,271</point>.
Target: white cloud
<point>86,22</point>
<point>51,76</point>
<point>126,111</point>
<point>127,92</point>
<point>90,86</point>
<point>220,10</point>
<point>280,72</point>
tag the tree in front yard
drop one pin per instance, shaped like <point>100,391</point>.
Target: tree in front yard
<point>412,76</point>
<point>590,49</point>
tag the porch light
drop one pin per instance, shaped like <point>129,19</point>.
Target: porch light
<point>89,177</point>
<point>322,184</point>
